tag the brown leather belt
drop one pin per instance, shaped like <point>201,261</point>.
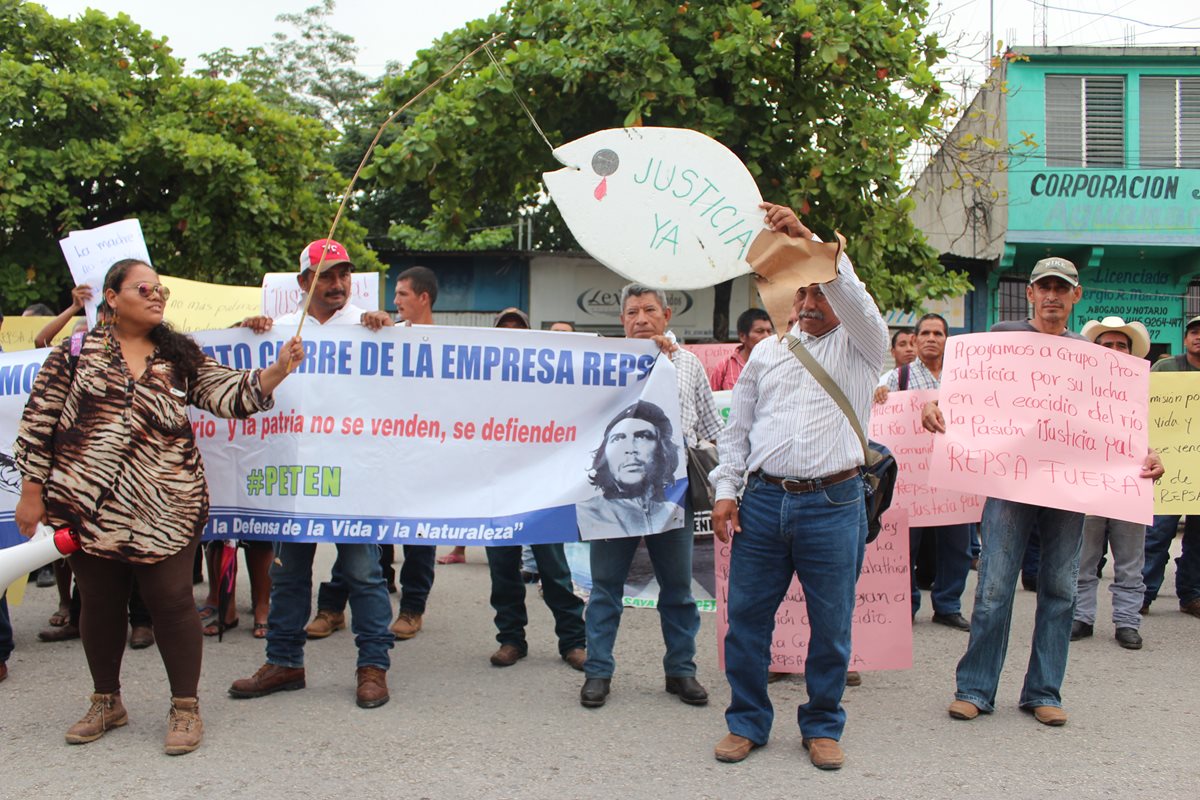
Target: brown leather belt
<point>804,486</point>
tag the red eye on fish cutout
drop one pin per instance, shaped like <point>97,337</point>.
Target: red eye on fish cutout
<point>604,163</point>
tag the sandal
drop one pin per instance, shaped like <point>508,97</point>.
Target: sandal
<point>260,630</point>
<point>452,558</point>
<point>60,617</point>
<point>211,629</point>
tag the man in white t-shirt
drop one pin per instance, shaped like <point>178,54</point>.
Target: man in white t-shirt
<point>327,263</point>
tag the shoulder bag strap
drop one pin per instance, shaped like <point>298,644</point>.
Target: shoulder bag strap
<point>833,390</point>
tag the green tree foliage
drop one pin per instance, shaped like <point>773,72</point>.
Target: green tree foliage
<point>99,125</point>
<point>820,99</point>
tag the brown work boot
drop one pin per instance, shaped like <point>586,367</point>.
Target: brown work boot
<point>733,748</point>
<point>1053,716</point>
<point>372,687</point>
<point>507,655</point>
<point>107,712</point>
<point>1191,607</point>
<point>853,678</point>
<point>185,729</point>
<point>825,753</point>
<point>269,678</point>
<point>3,670</point>
<point>576,657</point>
<point>325,623</point>
<point>963,709</point>
<point>407,624</point>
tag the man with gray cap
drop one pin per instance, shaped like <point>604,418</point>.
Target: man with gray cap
<point>1052,292</point>
<point>1160,535</point>
<point>1127,539</point>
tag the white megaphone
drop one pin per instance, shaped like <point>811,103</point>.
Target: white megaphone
<point>45,546</point>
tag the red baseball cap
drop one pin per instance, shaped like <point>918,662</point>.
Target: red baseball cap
<point>333,251</point>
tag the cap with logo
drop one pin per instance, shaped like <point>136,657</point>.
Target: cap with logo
<point>1187,327</point>
<point>333,251</point>
<point>1055,267</point>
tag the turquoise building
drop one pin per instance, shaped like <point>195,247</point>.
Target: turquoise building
<point>1090,153</point>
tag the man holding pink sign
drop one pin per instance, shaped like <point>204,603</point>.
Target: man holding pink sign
<point>1052,292</point>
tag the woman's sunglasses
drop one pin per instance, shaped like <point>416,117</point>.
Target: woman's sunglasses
<point>147,290</point>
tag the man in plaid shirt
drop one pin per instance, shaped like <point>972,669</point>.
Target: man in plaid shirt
<point>645,314</point>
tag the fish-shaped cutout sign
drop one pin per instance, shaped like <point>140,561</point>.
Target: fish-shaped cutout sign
<point>672,208</point>
<point>666,207</point>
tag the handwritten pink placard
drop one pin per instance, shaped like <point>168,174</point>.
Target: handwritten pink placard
<point>882,634</point>
<point>897,424</point>
<point>1046,420</point>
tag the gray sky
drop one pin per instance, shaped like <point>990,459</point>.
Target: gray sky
<point>396,30</point>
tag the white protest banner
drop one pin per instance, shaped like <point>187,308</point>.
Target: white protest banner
<point>431,435</point>
<point>90,253</point>
<point>281,294</point>
<point>1046,420</point>
<point>434,435</point>
<point>17,372</point>
<point>882,624</point>
<point>897,424</point>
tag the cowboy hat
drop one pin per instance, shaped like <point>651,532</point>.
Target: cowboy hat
<point>1139,338</point>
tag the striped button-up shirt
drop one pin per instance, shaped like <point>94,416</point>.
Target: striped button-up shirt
<point>698,413</point>
<point>781,420</point>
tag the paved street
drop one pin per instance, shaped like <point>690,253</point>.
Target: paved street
<point>457,727</point>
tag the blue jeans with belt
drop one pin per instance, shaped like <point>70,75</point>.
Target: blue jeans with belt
<point>291,603</point>
<point>671,556</point>
<point>1006,529</point>
<point>818,536</point>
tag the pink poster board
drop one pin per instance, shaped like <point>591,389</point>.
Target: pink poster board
<point>1045,420</point>
<point>711,355</point>
<point>897,424</point>
<point>882,636</point>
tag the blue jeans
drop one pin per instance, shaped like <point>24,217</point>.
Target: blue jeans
<point>1158,551</point>
<point>291,603</point>
<point>952,544</point>
<point>671,556</point>
<point>1005,531</point>
<point>6,635</point>
<point>819,537</point>
<point>416,579</point>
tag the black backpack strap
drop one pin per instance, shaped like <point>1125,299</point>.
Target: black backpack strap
<point>903,377</point>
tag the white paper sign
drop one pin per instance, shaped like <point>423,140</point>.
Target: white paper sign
<point>281,294</point>
<point>91,253</point>
<point>666,207</point>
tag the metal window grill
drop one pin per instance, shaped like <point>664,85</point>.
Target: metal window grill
<point>1014,305</point>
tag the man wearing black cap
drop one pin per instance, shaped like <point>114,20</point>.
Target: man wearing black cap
<point>1160,535</point>
<point>1052,292</point>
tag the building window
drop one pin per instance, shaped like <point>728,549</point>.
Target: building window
<point>1013,302</point>
<point>1085,120</point>
<point>1170,122</point>
<point>1191,301</point>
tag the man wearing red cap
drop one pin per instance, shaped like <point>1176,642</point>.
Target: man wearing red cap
<point>326,264</point>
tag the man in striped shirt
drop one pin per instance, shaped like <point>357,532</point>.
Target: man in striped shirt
<point>803,509</point>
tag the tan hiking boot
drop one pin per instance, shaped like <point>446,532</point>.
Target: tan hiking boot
<point>185,729</point>
<point>325,623</point>
<point>407,624</point>
<point>107,712</point>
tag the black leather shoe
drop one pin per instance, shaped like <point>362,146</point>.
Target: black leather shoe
<point>689,690</point>
<point>594,692</point>
<point>1129,638</point>
<point>957,621</point>
<point>1081,630</point>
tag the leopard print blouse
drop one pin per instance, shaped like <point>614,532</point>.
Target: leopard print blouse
<point>117,456</point>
